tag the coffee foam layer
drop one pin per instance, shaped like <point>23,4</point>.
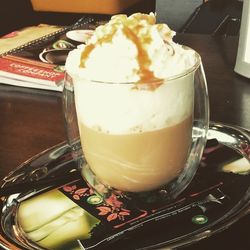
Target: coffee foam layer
<point>121,108</point>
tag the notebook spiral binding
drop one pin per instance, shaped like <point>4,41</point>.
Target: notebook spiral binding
<point>84,21</point>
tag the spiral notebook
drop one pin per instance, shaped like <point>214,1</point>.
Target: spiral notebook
<point>34,56</point>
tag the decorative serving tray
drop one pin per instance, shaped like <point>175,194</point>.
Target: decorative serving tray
<point>45,203</point>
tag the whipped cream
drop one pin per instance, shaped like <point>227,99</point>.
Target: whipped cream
<point>127,49</point>
<point>122,76</point>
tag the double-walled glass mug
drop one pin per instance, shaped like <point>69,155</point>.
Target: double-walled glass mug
<point>144,140</point>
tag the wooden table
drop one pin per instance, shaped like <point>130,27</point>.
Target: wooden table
<point>32,120</point>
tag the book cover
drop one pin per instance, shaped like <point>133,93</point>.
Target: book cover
<point>25,35</point>
<point>35,56</point>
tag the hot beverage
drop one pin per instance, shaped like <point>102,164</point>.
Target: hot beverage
<point>134,91</point>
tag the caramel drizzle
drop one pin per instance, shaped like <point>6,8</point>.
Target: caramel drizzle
<point>131,29</point>
<point>85,54</point>
<point>88,48</point>
<point>146,75</point>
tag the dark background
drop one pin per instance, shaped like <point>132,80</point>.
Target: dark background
<point>178,14</point>
<point>16,14</point>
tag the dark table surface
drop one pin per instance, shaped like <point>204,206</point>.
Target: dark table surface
<point>229,95</point>
<point>32,120</point>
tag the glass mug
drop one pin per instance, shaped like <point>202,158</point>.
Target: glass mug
<point>143,163</point>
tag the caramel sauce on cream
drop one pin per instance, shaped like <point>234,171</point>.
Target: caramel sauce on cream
<point>135,28</point>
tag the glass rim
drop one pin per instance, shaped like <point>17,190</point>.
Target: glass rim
<point>164,80</point>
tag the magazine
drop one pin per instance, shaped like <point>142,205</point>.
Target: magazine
<point>35,56</point>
